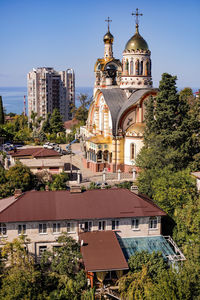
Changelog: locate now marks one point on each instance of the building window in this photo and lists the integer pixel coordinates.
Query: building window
(43, 228)
(42, 249)
(21, 229)
(71, 227)
(102, 225)
(153, 223)
(3, 229)
(56, 227)
(132, 151)
(86, 226)
(115, 224)
(135, 224)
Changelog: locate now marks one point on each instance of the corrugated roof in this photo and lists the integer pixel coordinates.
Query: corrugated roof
(6, 202)
(115, 99)
(101, 251)
(94, 204)
(35, 152)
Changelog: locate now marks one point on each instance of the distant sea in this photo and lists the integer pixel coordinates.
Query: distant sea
(13, 97)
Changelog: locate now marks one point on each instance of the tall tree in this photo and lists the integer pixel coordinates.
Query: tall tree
(56, 122)
(2, 117)
(81, 113)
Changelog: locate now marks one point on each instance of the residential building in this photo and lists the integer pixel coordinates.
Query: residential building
(110, 225)
(49, 89)
(32, 153)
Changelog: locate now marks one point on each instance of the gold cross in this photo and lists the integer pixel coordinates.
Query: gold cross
(108, 20)
(136, 16)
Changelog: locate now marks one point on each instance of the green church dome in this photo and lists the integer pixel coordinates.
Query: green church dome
(136, 42)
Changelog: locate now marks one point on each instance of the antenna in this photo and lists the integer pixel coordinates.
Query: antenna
(24, 112)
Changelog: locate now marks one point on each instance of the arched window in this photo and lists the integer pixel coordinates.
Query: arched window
(137, 67)
(131, 67)
(141, 68)
(132, 151)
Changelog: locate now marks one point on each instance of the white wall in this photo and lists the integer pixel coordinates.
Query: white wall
(127, 146)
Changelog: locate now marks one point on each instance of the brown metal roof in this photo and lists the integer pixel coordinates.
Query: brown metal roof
(94, 204)
(101, 251)
(35, 152)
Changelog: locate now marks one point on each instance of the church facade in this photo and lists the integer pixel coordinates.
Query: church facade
(113, 135)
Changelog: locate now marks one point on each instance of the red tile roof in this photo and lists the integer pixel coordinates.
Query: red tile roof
(101, 251)
(94, 204)
(35, 152)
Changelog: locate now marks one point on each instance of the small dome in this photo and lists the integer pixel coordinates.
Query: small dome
(108, 38)
(136, 42)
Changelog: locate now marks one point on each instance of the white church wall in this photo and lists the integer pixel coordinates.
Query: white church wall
(127, 149)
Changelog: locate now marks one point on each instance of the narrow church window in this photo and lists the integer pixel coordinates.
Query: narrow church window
(132, 151)
(131, 67)
(141, 68)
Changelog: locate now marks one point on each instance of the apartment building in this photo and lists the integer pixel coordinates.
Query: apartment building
(49, 89)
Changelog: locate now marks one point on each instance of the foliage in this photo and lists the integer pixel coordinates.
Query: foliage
(2, 117)
(17, 177)
(154, 262)
(151, 278)
(63, 265)
(124, 185)
(81, 113)
(46, 124)
(20, 279)
(59, 182)
(21, 177)
(94, 186)
(56, 123)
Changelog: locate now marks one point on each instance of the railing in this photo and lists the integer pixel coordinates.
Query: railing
(179, 255)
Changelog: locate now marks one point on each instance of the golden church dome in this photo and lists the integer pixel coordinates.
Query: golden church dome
(108, 38)
(136, 42)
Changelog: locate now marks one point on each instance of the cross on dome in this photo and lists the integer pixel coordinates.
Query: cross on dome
(108, 20)
(137, 15)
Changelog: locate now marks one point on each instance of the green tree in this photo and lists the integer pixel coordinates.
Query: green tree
(59, 182)
(63, 264)
(56, 122)
(2, 117)
(20, 177)
(81, 113)
(46, 124)
(154, 263)
(20, 279)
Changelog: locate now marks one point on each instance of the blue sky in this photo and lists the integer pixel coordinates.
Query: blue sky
(68, 34)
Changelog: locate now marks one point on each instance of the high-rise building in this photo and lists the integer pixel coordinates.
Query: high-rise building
(49, 89)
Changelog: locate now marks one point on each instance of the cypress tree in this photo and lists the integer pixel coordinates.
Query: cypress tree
(2, 118)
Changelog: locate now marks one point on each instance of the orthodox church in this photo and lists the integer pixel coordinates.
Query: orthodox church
(113, 135)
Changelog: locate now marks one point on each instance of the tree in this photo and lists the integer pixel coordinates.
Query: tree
(20, 177)
(56, 122)
(2, 117)
(81, 113)
(46, 124)
(59, 182)
(63, 264)
(153, 261)
(20, 279)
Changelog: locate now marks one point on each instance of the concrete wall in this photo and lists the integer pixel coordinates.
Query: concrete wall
(49, 238)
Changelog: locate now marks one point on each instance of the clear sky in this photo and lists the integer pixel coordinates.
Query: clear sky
(68, 34)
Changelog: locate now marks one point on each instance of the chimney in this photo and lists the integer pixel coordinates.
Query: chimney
(75, 189)
(17, 193)
(134, 189)
(46, 188)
